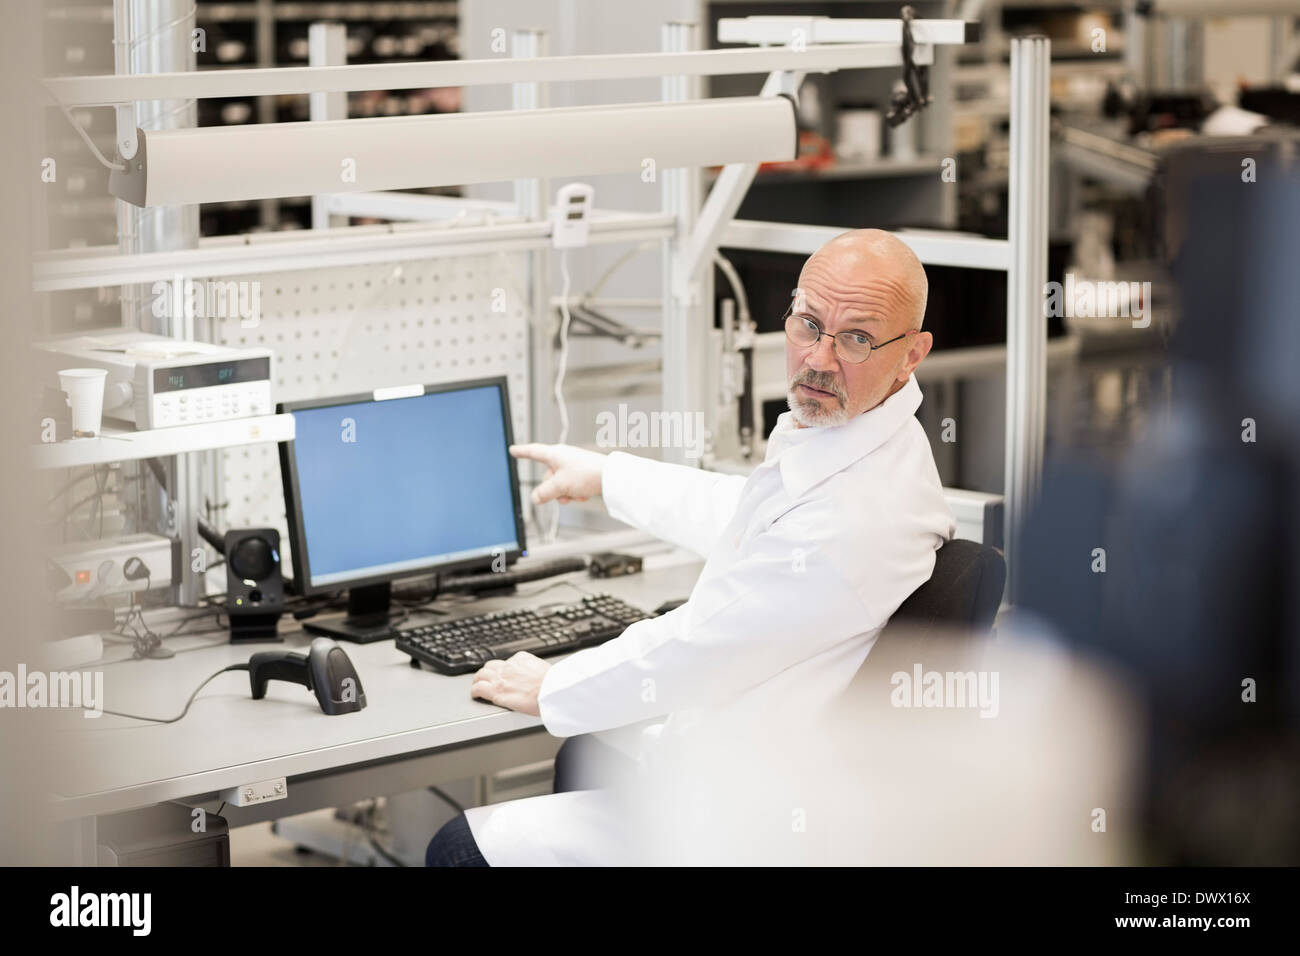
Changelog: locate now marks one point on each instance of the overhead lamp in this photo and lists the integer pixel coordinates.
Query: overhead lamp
(266, 161)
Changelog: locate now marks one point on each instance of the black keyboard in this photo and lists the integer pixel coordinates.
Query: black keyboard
(491, 580)
(466, 644)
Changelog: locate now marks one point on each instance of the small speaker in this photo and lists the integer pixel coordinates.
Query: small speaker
(254, 587)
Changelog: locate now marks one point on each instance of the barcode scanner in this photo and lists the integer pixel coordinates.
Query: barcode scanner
(325, 669)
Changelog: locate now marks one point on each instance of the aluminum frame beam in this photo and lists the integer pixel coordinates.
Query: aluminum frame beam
(109, 90)
(1027, 232)
(931, 247)
(778, 30)
(350, 245)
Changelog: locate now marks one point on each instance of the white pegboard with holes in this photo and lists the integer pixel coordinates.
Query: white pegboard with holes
(351, 330)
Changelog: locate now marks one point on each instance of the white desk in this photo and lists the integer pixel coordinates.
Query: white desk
(419, 728)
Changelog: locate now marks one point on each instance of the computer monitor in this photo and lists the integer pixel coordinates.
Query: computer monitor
(396, 483)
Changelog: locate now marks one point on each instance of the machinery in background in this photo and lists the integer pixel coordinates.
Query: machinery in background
(1148, 111)
(734, 344)
(88, 570)
(84, 578)
(157, 382)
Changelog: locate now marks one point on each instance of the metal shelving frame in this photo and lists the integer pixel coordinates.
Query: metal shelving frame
(691, 230)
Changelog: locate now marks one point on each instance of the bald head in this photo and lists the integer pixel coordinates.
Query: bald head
(874, 252)
(865, 283)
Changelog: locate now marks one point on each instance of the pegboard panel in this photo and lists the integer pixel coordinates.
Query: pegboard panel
(350, 330)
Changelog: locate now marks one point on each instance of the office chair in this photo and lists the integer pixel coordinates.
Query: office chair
(964, 591)
(931, 626)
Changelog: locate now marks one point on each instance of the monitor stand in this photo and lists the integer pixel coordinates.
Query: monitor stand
(367, 620)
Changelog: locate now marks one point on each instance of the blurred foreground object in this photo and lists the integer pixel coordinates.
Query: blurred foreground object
(1198, 530)
(946, 750)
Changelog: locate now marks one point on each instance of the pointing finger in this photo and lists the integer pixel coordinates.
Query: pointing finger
(535, 451)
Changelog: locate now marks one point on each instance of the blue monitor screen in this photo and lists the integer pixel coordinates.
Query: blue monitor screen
(395, 486)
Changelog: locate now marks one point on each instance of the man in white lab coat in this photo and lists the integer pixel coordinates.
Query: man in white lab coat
(807, 559)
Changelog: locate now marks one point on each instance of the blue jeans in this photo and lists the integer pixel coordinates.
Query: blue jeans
(582, 763)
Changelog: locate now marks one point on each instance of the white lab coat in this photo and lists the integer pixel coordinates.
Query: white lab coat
(807, 558)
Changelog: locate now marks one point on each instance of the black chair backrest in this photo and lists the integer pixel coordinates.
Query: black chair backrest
(964, 590)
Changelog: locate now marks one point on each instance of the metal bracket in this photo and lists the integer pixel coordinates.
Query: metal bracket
(127, 144)
(784, 83)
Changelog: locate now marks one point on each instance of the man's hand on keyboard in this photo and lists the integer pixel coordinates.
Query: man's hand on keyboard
(574, 475)
(514, 683)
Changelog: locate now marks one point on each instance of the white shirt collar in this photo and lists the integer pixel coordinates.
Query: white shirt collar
(808, 456)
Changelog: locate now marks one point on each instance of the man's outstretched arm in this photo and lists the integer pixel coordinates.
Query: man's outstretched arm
(684, 506)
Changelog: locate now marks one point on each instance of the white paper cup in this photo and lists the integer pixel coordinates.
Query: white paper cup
(85, 388)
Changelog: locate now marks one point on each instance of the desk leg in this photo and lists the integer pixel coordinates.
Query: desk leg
(82, 841)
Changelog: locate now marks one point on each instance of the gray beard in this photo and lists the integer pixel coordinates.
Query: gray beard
(812, 414)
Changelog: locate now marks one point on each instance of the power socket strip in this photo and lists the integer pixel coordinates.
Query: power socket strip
(250, 794)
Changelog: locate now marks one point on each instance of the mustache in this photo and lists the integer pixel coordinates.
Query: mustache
(822, 380)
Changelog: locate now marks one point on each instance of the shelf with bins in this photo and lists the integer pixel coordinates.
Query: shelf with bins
(121, 444)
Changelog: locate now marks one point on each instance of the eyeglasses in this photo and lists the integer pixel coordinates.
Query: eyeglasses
(852, 346)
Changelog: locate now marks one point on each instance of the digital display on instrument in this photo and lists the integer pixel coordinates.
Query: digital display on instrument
(205, 374)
